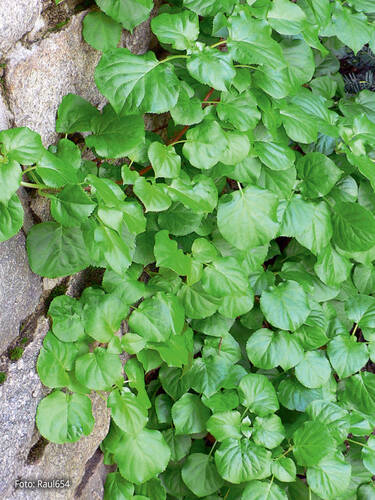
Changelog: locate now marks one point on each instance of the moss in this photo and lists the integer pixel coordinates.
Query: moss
(24, 340)
(3, 377)
(16, 353)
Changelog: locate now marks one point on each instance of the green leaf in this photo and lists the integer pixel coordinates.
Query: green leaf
(330, 478)
(347, 356)
(211, 67)
(258, 394)
(10, 179)
(102, 318)
(115, 136)
(268, 431)
(209, 7)
(55, 171)
(359, 392)
(21, 145)
(129, 13)
(352, 29)
(208, 374)
(275, 156)
(197, 303)
(368, 454)
(225, 425)
(142, 456)
(319, 174)
(11, 218)
(332, 416)
(99, 369)
(199, 195)
(55, 359)
(312, 442)
(179, 30)
(250, 42)
(295, 396)
(247, 218)
(54, 250)
(260, 490)
(165, 161)
(152, 490)
(262, 349)
(75, 114)
(239, 110)
(314, 370)
(285, 306)
(331, 267)
(179, 445)
(189, 415)
(150, 87)
(299, 126)
(205, 144)
(71, 206)
(158, 317)
(100, 31)
(353, 227)
(285, 17)
(224, 277)
(284, 469)
(152, 195)
(200, 475)
(117, 488)
(127, 411)
(64, 418)
(188, 110)
(240, 460)
(66, 318)
(168, 254)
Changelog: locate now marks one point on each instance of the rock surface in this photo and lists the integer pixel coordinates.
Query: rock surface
(19, 396)
(16, 19)
(58, 65)
(20, 289)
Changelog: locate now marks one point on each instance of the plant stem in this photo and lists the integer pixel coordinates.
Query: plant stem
(244, 412)
(167, 59)
(355, 329)
(34, 186)
(245, 66)
(212, 448)
(28, 170)
(177, 142)
(360, 444)
(240, 187)
(217, 44)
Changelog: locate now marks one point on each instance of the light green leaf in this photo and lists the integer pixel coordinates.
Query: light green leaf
(248, 218)
(142, 456)
(268, 431)
(331, 267)
(21, 145)
(165, 161)
(284, 469)
(100, 31)
(353, 227)
(352, 29)
(98, 370)
(261, 490)
(158, 317)
(102, 317)
(239, 110)
(211, 67)
(64, 418)
(330, 478)
(115, 136)
(285, 306)
(258, 394)
(66, 313)
(54, 250)
(136, 84)
(225, 425)
(151, 195)
(75, 114)
(209, 7)
(312, 442)
(127, 411)
(199, 196)
(275, 156)
(129, 13)
(285, 17)
(240, 460)
(11, 218)
(200, 475)
(189, 415)
(168, 254)
(205, 144)
(117, 488)
(319, 174)
(347, 356)
(314, 370)
(71, 206)
(179, 30)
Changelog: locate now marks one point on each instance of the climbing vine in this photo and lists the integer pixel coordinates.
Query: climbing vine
(238, 242)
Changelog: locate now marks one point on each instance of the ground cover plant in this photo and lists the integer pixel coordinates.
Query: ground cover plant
(238, 244)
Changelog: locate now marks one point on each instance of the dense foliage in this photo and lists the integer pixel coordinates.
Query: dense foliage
(238, 245)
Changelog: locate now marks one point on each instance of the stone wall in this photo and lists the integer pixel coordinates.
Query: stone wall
(42, 58)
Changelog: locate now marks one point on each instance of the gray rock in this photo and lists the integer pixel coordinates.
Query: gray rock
(20, 289)
(19, 396)
(37, 79)
(65, 461)
(4, 115)
(17, 18)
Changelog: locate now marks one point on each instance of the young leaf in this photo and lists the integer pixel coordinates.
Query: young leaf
(127, 411)
(179, 29)
(258, 394)
(98, 370)
(100, 31)
(63, 418)
(189, 415)
(200, 475)
(164, 160)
